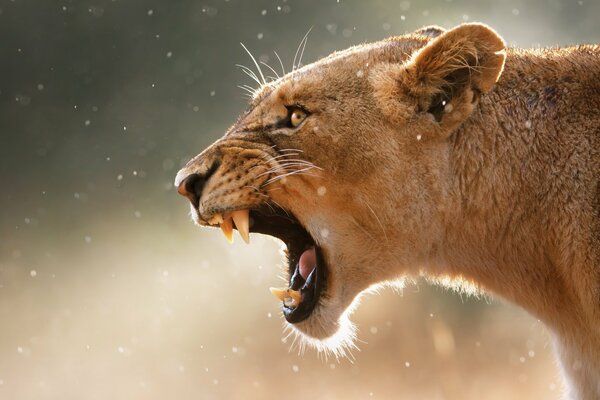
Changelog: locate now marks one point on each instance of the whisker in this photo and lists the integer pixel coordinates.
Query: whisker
(287, 163)
(280, 63)
(249, 87)
(279, 205)
(378, 220)
(268, 66)
(279, 177)
(250, 91)
(303, 47)
(296, 55)
(249, 72)
(362, 228)
(285, 155)
(255, 63)
(302, 42)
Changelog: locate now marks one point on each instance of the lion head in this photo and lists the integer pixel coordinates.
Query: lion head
(346, 161)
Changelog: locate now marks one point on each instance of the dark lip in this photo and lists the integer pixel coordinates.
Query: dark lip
(311, 292)
(279, 223)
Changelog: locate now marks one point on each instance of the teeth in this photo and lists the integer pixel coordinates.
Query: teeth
(295, 295)
(279, 293)
(291, 298)
(216, 219)
(227, 228)
(242, 223)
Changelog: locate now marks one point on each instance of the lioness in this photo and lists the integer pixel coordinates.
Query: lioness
(438, 153)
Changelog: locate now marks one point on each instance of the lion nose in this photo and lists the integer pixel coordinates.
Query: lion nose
(191, 187)
(192, 184)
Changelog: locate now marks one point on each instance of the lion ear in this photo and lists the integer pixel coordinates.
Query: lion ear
(454, 69)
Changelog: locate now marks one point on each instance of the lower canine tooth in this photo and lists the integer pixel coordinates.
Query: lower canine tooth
(281, 294)
(227, 228)
(290, 298)
(242, 223)
(289, 302)
(296, 295)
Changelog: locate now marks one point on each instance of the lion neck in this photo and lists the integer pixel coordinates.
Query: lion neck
(501, 213)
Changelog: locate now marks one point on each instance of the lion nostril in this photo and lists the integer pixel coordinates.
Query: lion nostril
(191, 187)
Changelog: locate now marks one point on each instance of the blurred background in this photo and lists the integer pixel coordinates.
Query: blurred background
(108, 291)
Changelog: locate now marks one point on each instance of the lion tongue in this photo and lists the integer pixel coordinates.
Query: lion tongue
(307, 262)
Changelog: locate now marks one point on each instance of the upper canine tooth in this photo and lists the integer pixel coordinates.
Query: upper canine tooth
(281, 294)
(242, 223)
(227, 228)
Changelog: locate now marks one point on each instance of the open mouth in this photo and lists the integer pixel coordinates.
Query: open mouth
(306, 264)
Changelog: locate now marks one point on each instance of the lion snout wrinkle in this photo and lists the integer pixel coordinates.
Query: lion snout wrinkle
(227, 176)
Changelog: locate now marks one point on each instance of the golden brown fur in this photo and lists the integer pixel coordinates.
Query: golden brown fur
(441, 154)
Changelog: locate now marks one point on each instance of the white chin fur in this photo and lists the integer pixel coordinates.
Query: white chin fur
(328, 330)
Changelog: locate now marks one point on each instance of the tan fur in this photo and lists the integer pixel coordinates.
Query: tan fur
(441, 154)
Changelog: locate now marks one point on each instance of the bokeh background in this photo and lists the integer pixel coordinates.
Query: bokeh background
(107, 290)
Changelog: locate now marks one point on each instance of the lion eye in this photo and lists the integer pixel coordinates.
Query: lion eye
(297, 116)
